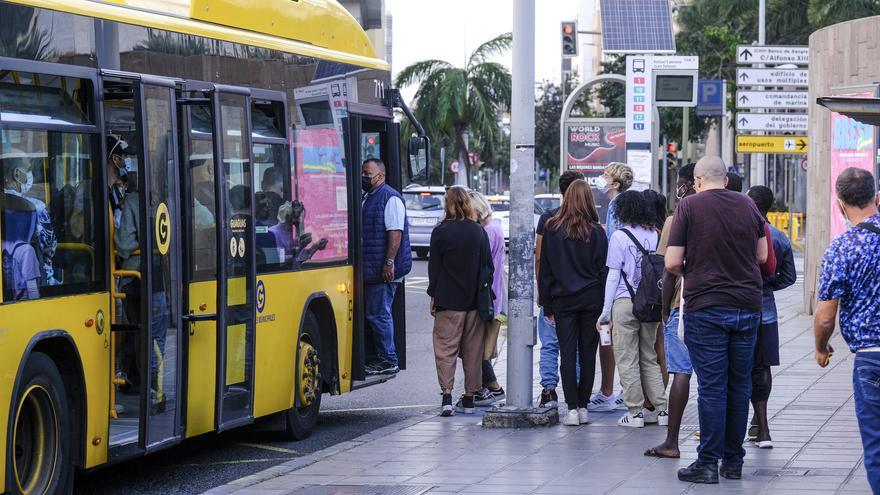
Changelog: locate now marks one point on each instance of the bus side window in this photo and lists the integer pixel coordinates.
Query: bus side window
(278, 218)
(49, 222)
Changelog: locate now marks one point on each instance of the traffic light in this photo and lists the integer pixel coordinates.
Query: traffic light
(569, 39)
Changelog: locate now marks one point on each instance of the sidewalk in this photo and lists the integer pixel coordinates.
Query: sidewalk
(817, 446)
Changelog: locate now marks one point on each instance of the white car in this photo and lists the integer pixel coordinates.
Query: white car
(501, 213)
(548, 201)
(424, 209)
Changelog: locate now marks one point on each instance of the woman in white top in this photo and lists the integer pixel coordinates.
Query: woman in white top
(633, 340)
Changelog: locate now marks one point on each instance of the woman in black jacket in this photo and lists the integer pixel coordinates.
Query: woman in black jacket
(573, 271)
(453, 282)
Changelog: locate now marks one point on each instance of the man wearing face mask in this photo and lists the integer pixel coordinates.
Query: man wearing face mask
(617, 178)
(18, 181)
(387, 258)
(849, 282)
(119, 164)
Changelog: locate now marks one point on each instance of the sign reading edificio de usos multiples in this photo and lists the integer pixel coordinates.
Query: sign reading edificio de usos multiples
(772, 100)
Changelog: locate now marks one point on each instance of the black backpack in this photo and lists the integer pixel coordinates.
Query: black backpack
(647, 305)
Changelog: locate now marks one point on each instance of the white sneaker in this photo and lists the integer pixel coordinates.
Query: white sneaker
(632, 420)
(572, 418)
(600, 402)
(618, 401)
(650, 416)
(583, 415)
(663, 418)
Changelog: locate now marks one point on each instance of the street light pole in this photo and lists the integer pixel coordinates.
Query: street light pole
(521, 329)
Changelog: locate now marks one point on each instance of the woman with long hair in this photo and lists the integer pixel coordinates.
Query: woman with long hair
(572, 276)
(634, 341)
(457, 247)
(492, 392)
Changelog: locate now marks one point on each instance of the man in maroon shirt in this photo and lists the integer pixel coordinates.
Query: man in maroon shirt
(717, 244)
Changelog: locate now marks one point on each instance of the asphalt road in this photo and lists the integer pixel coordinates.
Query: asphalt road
(212, 460)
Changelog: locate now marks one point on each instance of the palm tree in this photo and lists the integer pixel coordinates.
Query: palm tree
(453, 101)
(21, 38)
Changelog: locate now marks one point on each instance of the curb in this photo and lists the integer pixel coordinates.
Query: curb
(307, 460)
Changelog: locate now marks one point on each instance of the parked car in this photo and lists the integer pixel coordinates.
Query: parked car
(424, 209)
(548, 201)
(501, 213)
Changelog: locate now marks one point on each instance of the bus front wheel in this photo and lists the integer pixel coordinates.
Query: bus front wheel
(300, 420)
(39, 458)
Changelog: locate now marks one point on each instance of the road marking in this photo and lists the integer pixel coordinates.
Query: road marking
(240, 461)
(268, 447)
(386, 408)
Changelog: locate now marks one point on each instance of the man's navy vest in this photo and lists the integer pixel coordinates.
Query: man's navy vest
(375, 240)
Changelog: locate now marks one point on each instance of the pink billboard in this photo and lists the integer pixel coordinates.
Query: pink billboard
(852, 145)
(321, 187)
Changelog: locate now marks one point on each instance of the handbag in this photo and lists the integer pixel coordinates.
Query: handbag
(485, 295)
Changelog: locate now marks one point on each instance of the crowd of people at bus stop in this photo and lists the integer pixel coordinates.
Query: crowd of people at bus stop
(659, 298)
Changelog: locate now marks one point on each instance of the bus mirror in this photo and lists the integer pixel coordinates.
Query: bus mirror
(418, 158)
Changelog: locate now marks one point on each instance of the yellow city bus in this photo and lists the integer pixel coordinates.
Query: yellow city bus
(180, 222)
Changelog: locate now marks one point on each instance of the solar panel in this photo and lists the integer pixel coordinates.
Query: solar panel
(636, 26)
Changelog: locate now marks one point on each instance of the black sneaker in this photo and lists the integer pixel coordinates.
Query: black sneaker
(383, 368)
(549, 398)
(446, 409)
(699, 472)
(465, 404)
(731, 472)
(484, 399)
(498, 394)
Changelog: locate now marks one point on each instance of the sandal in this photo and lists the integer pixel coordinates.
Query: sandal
(653, 452)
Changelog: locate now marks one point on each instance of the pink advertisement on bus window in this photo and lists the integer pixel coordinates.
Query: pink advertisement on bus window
(321, 186)
(852, 145)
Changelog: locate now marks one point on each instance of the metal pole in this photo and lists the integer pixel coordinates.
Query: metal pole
(685, 134)
(443, 165)
(664, 171)
(521, 328)
(761, 159)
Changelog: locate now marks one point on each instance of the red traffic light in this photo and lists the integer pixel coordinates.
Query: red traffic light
(371, 140)
(567, 29)
(671, 148)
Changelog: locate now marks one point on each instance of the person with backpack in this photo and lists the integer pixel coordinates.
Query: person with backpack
(572, 275)
(632, 309)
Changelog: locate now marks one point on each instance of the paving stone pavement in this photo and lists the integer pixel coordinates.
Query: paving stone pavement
(817, 448)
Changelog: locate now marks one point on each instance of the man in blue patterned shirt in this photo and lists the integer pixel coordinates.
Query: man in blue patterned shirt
(850, 282)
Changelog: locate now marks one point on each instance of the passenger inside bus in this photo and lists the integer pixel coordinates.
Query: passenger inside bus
(20, 182)
(21, 266)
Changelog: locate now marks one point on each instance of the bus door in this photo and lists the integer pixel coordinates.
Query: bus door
(140, 119)
(372, 133)
(220, 217)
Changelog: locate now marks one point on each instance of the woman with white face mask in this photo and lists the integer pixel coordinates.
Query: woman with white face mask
(18, 181)
(617, 178)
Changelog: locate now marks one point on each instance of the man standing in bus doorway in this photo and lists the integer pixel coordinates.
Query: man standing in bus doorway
(387, 258)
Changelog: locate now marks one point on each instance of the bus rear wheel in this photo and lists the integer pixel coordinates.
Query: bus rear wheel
(300, 420)
(39, 457)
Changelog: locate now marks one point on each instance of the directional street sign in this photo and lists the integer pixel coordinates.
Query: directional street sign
(771, 144)
(757, 54)
(779, 122)
(772, 77)
(783, 100)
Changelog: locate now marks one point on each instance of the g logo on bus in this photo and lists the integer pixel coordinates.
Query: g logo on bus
(261, 296)
(99, 322)
(163, 228)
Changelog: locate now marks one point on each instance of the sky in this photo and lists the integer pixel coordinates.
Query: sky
(450, 30)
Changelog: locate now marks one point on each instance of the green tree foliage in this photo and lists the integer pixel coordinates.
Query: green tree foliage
(451, 101)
